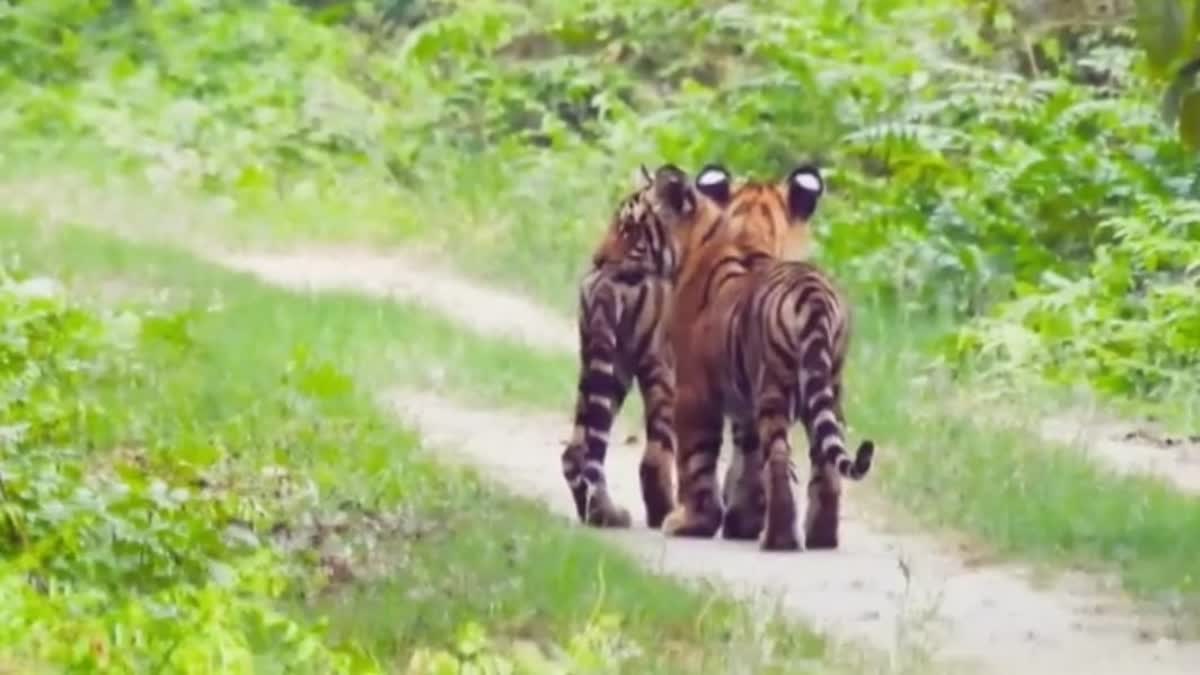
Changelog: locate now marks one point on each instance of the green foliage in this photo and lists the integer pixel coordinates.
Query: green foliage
(220, 94)
(122, 559)
(993, 179)
(1131, 323)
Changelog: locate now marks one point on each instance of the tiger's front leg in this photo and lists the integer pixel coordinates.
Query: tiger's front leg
(698, 428)
(600, 394)
(656, 381)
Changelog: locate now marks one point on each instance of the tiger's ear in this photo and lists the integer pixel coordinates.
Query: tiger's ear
(671, 186)
(640, 177)
(804, 189)
(713, 182)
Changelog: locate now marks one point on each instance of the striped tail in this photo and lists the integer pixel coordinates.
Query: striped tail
(826, 436)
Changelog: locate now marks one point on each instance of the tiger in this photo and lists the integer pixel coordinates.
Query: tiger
(623, 303)
(760, 337)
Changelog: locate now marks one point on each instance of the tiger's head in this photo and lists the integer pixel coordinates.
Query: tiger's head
(761, 217)
(653, 222)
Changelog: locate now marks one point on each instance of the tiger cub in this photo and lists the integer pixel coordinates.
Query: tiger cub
(760, 338)
(623, 303)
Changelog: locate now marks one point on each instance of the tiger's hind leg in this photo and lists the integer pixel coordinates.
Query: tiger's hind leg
(823, 516)
(821, 405)
(602, 390)
(773, 417)
(698, 512)
(745, 501)
(656, 382)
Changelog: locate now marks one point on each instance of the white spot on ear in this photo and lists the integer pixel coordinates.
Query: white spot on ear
(808, 182)
(712, 177)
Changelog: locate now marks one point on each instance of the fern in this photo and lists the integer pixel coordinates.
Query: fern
(928, 137)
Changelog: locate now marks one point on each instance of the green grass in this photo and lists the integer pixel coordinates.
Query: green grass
(231, 381)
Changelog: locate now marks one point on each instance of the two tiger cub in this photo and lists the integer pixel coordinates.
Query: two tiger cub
(698, 291)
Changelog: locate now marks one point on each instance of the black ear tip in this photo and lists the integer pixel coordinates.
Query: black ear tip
(669, 171)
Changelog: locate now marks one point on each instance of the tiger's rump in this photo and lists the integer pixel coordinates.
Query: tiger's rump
(795, 330)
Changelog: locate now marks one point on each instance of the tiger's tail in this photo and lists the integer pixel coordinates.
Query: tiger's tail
(819, 405)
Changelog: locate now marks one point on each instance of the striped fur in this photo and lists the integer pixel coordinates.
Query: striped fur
(762, 339)
(623, 303)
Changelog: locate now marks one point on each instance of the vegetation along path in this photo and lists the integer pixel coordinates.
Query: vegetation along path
(897, 590)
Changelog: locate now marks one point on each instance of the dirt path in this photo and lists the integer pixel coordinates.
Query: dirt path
(898, 592)
(485, 310)
(1129, 448)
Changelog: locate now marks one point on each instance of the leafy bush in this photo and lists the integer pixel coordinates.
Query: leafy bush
(1131, 323)
(993, 179)
(122, 560)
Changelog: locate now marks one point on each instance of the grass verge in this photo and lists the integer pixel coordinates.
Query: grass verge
(1002, 484)
(256, 374)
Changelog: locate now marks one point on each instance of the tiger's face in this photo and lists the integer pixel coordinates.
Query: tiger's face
(767, 217)
(650, 224)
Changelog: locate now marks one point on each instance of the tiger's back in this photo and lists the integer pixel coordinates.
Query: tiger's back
(762, 340)
(780, 294)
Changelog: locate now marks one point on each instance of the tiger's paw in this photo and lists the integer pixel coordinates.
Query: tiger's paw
(779, 538)
(612, 516)
(822, 539)
(656, 492)
(685, 522)
(657, 511)
(823, 517)
(742, 523)
(602, 512)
